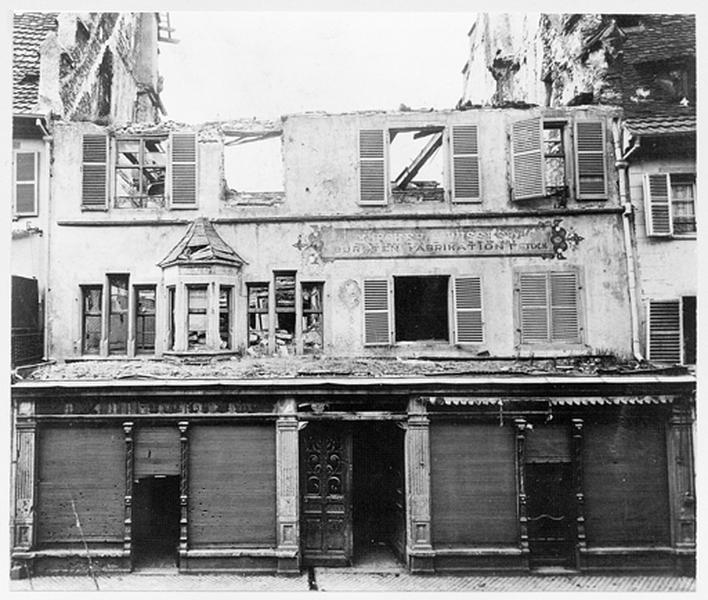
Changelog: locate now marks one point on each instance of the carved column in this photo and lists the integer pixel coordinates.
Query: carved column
(521, 489)
(577, 449)
(128, 499)
(287, 469)
(682, 495)
(25, 476)
(183, 490)
(417, 455)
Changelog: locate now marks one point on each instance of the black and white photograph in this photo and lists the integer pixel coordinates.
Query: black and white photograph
(307, 299)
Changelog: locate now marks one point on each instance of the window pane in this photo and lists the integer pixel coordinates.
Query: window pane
(155, 154)
(683, 203)
(24, 197)
(258, 297)
(258, 321)
(312, 333)
(128, 152)
(91, 327)
(118, 314)
(171, 308)
(140, 173)
(225, 317)
(197, 299)
(145, 320)
(284, 293)
(311, 297)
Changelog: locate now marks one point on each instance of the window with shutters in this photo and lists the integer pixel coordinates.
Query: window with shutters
(421, 308)
(416, 165)
(544, 161)
(549, 307)
(26, 183)
(671, 330)
(670, 204)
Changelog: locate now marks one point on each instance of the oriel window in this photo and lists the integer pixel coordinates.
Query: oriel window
(196, 316)
(225, 293)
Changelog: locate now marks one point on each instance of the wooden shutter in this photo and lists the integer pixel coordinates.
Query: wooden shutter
(533, 303)
(657, 204)
(527, 161)
(372, 167)
(94, 185)
(565, 326)
(26, 182)
(377, 331)
(590, 165)
(465, 164)
(184, 170)
(664, 330)
(468, 310)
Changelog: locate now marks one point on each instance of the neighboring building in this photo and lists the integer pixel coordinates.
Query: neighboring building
(423, 342)
(72, 67)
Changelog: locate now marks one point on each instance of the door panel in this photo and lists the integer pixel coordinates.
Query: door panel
(326, 494)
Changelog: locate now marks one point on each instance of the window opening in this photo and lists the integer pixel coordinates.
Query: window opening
(258, 316)
(92, 317)
(171, 312)
(118, 314)
(225, 317)
(254, 169)
(312, 326)
(141, 166)
(421, 308)
(554, 163)
(683, 203)
(688, 324)
(196, 316)
(145, 320)
(105, 81)
(417, 163)
(284, 312)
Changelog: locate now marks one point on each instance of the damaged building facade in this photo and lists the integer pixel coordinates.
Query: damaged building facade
(421, 341)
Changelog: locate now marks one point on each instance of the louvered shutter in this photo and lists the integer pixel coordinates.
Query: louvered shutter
(376, 312)
(527, 161)
(26, 182)
(664, 331)
(565, 326)
(533, 302)
(94, 184)
(465, 164)
(372, 167)
(468, 310)
(184, 170)
(590, 166)
(657, 204)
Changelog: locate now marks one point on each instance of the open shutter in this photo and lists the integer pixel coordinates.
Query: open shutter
(465, 164)
(372, 167)
(377, 331)
(184, 170)
(565, 325)
(657, 204)
(26, 182)
(533, 303)
(94, 183)
(590, 165)
(527, 161)
(468, 310)
(664, 331)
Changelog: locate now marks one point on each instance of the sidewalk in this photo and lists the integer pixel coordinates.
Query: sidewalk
(339, 580)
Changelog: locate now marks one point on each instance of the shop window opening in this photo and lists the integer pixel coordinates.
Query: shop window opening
(421, 308)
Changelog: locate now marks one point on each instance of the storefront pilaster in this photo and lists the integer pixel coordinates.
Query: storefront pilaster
(287, 458)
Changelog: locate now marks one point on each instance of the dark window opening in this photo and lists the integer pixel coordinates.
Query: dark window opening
(284, 312)
(312, 337)
(225, 317)
(141, 165)
(688, 323)
(416, 164)
(554, 162)
(171, 312)
(91, 327)
(118, 314)
(156, 514)
(258, 323)
(196, 316)
(421, 308)
(145, 320)
(105, 82)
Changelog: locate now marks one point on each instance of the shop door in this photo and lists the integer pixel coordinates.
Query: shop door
(326, 521)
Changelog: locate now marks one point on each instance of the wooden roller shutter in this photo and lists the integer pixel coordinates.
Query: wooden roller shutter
(473, 485)
(94, 182)
(625, 482)
(664, 330)
(657, 204)
(565, 320)
(527, 159)
(157, 451)
(183, 180)
(465, 164)
(468, 310)
(590, 165)
(81, 485)
(373, 186)
(232, 499)
(533, 305)
(377, 330)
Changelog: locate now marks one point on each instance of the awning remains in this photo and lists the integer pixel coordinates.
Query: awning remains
(571, 401)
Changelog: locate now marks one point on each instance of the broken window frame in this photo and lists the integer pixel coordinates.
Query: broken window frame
(225, 316)
(314, 314)
(560, 193)
(430, 150)
(119, 344)
(91, 313)
(141, 198)
(197, 311)
(141, 346)
(255, 314)
(281, 308)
